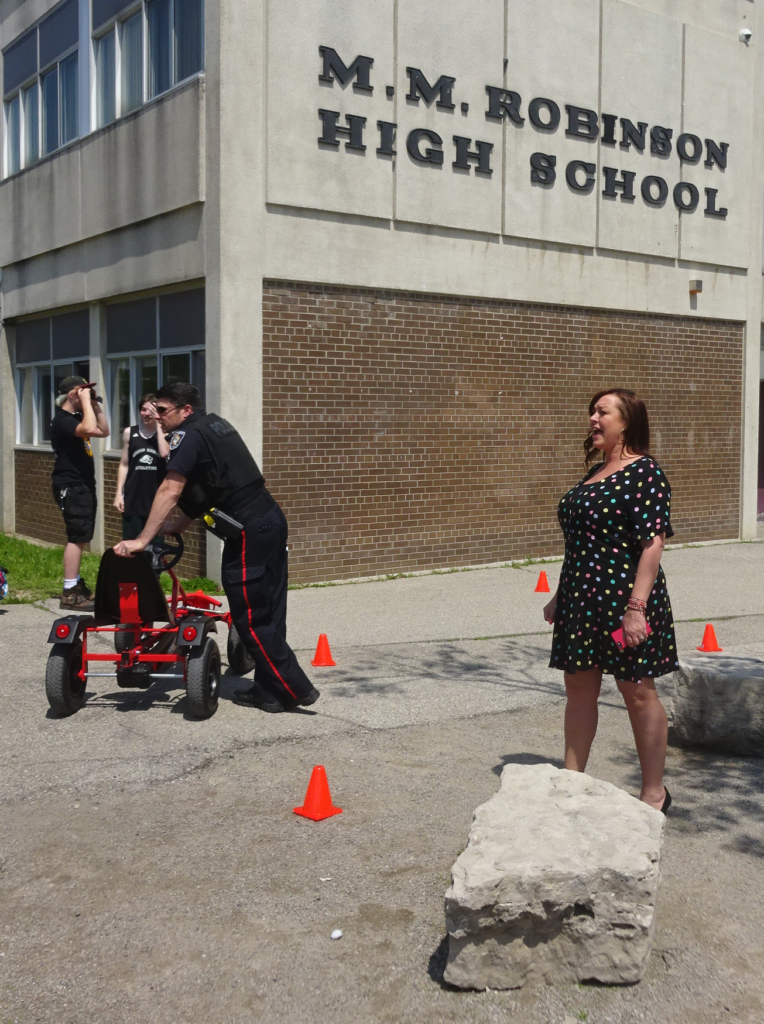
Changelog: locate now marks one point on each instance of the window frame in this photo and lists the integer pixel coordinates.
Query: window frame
(133, 356)
(19, 91)
(114, 25)
(37, 366)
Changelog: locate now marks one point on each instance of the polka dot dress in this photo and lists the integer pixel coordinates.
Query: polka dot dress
(603, 524)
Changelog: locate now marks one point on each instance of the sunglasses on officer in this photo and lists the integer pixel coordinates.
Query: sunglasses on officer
(162, 410)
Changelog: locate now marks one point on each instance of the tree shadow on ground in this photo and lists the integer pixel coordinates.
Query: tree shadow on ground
(506, 664)
(711, 792)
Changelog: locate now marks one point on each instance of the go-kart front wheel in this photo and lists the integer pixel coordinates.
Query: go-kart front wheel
(63, 687)
(203, 679)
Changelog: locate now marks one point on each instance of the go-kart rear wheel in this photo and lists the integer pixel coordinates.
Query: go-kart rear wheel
(203, 679)
(63, 687)
(239, 658)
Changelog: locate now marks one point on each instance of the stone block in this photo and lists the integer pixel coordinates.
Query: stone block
(558, 883)
(719, 703)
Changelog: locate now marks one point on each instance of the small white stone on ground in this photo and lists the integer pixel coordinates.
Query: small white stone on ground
(719, 703)
(336, 934)
(558, 883)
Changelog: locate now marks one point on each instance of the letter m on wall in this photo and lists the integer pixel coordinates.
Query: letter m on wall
(334, 68)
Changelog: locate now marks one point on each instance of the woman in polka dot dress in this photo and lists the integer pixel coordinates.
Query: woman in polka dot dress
(615, 522)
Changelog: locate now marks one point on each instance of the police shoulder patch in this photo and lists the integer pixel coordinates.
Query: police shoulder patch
(177, 437)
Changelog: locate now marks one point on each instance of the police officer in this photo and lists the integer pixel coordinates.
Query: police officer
(209, 466)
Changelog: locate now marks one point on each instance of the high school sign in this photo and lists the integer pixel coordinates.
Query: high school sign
(427, 146)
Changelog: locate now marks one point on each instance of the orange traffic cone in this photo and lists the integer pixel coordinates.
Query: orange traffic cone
(318, 800)
(709, 644)
(323, 656)
(542, 587)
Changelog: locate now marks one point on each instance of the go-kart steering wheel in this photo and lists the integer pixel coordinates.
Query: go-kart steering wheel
(164, 555)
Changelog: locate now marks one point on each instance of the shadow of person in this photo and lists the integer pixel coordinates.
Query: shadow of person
(526, 758)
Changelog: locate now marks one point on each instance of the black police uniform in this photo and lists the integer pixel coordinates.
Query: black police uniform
(221, 473)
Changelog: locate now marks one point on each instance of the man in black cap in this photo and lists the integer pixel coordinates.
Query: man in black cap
(78, 417)
(210, 469)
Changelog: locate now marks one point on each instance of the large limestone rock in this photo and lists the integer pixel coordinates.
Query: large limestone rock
(719, 703)
(558, 882)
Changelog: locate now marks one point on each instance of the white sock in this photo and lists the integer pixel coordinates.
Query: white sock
(68, 584)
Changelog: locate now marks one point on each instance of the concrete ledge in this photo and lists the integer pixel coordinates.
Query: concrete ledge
(558, 884)
(719, 703)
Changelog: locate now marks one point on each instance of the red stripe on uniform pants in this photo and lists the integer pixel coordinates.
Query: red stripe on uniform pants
(249, 616)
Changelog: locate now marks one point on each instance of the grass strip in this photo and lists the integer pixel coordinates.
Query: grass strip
(36, 572)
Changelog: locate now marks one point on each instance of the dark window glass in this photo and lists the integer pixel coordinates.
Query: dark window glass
(68, 75)
(160, 47)
(71, 335)
(105, 9)
(131, 326)
(59, 31)
(199, 374)
(181, 319)
(50, 111)
(82, 369)
(20, 61)
(176, 369)
(45, 400)
(188, 38)
(33, 341)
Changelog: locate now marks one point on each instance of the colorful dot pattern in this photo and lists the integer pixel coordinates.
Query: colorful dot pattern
(604, 524)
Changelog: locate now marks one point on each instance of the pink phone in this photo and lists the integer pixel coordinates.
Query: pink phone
(617, 635)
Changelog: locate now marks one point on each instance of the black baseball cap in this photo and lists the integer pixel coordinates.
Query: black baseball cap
(70, 383)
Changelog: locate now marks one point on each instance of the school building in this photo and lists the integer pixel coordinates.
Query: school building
(398, 244)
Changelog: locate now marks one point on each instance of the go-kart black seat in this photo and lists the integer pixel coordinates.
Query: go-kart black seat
(152, 604)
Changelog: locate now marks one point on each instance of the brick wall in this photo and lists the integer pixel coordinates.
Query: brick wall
(37, 514)
(406, 432)
(194, 560)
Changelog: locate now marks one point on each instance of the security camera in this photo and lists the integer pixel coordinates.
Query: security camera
(745, 35)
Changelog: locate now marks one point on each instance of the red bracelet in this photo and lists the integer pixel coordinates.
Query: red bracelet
(637, 606)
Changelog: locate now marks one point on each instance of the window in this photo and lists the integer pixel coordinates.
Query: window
(40, 72)
(106, 62)
(173, 31)
(47, 350)
(150, 342)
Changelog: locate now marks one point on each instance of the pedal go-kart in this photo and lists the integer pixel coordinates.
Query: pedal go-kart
(129, 602)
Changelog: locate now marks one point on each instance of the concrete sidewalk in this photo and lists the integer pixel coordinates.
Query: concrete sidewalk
(153, 869)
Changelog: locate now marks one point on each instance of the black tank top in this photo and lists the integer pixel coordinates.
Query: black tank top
(145, 472)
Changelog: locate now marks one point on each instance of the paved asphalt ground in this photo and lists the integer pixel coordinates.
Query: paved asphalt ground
(152, 870)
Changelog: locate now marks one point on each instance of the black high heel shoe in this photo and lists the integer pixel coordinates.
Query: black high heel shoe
(666, 803)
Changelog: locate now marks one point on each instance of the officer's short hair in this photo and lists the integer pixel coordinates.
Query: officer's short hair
(181, 394)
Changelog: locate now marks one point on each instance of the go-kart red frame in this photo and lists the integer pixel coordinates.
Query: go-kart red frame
(144, 653)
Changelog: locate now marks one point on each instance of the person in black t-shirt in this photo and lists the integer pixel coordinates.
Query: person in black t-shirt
(141, 469)
(79, 417)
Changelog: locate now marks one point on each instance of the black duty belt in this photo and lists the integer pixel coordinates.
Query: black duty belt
(254, 508)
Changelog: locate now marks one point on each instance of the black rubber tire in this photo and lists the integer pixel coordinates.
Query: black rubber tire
(63, 687)
(123, 641)
(203, 679)
(239, 658)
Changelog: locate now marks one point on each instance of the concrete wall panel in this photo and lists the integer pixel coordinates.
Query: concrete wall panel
(40, 208)
(559, 64)
(717, 98)
(144, 165)
(642, 81)
(300, 171)
(165, 250)
(140, 167)
(446, 39)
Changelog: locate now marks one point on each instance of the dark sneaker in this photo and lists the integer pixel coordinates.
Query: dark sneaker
(77, 598)
(257, 698)
(310, 698)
